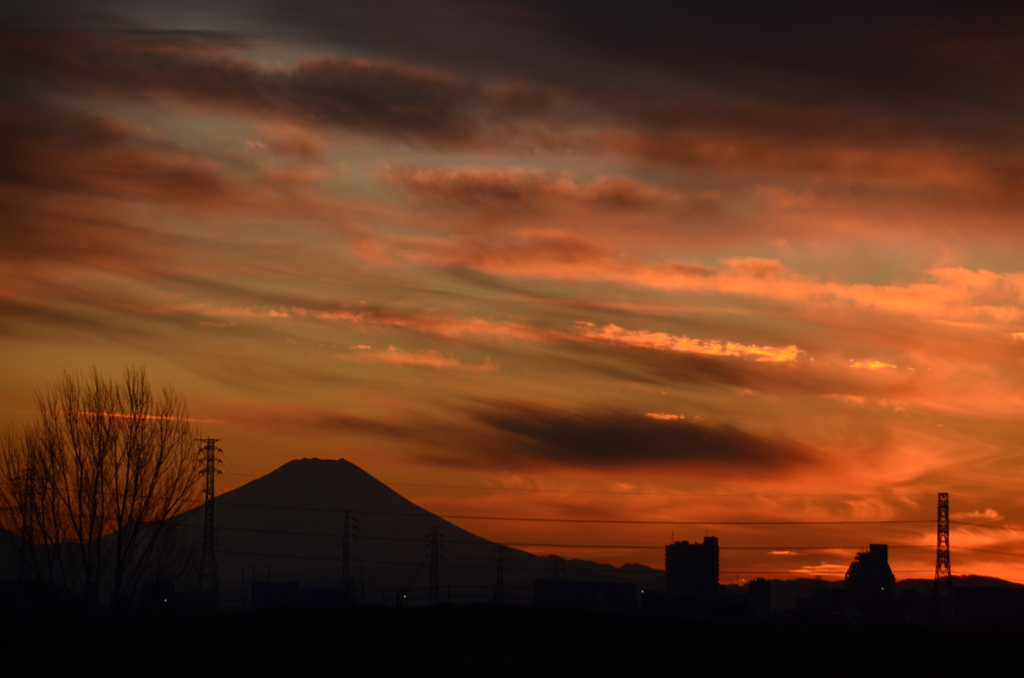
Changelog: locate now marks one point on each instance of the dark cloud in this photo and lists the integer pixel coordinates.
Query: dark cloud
(61, 149)
(67, 175)
(942, 66)
(612, 439)
(35, 321)
(865, 93)
(50, 154)
(516, 190)
(384, 98)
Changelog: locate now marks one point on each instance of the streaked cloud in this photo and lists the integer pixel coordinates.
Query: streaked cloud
(411, 102)
(667, 342)
(395, 356)
(871, 365)
(519, 189)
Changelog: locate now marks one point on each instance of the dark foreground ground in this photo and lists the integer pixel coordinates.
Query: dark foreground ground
(467, 641)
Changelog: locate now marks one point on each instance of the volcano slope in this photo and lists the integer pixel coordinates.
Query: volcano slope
(287, 526)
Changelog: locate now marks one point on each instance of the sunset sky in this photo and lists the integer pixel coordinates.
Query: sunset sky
(724, 262)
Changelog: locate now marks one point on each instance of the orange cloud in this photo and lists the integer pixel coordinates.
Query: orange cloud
(394, 356)
(987, 514)
(527, 189)
(871, 365)
(456, 327)
(439, 324)
(123, 415)
(951, 294)
(666, 342)
(742, 151)
(292, 140)
(84, 197)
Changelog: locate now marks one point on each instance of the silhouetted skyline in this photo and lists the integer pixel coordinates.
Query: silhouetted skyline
(277, 549)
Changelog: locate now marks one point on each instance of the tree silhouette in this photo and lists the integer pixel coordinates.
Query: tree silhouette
(91, 484)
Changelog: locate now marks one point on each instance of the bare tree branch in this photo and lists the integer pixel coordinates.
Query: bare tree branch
(91, 484)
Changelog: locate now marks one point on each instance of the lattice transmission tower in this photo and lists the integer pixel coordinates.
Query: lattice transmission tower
(942, 569)
(208, 559)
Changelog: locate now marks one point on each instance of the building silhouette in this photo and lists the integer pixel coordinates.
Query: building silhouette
(870, 586)
(759, 599)
(691, 570)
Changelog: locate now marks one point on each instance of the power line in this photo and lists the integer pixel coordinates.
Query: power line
(572, 491)
(607, 521)
(487, 543)
(427, 515)
(1000, 553)
(809, 574)
(542, 567)
(691, 522)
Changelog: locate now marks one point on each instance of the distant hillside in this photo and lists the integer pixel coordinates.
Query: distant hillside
(973, 580)
(785, 592)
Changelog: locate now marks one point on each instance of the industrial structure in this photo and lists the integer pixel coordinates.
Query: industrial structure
(208, 558)
(943, 573)
(692, 569)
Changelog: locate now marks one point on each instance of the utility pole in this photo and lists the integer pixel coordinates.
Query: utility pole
(942, 568)
(558, 572)
(433, 591)
(499, 584)
(207, 558)
(348, 589)
(345, 553)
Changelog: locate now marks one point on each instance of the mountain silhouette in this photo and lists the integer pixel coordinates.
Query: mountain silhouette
(287, 527)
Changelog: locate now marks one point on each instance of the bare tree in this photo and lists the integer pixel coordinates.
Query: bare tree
(91, 484)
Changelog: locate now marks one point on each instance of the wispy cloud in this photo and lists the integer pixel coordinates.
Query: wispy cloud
(662, 341)
(395, 356)
(871, 365)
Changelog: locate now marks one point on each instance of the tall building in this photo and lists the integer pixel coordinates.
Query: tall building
(870, 585)
(692, 569)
